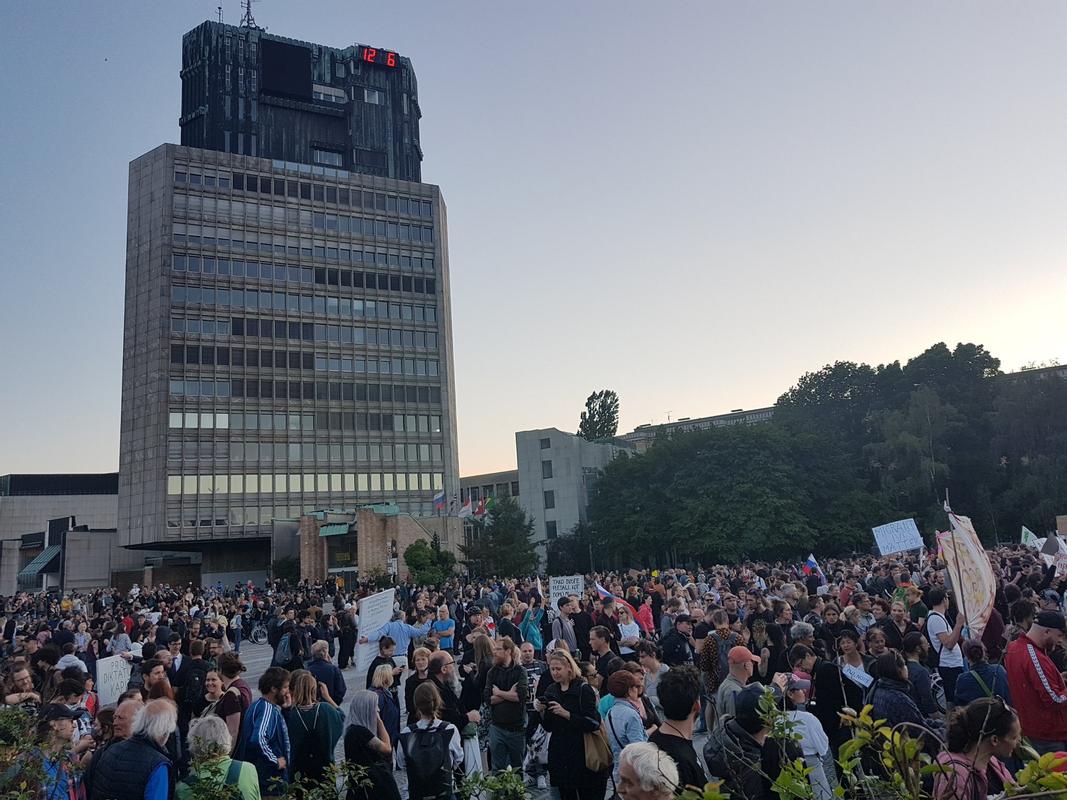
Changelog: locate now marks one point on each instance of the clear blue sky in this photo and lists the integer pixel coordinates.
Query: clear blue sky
(691, 203)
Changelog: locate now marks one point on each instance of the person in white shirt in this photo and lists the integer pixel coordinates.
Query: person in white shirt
(629, 634)
(814, 743)
(427, 707)
(945, 639)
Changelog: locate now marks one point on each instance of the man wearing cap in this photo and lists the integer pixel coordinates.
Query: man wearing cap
(741, 662)
(678, 644)
(1037, 689)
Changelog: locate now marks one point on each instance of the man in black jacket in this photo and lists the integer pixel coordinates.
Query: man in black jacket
(506, 691)
(442, 672)
(678, 644)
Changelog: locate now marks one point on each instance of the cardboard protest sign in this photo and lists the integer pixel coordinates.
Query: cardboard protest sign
(374, 612)
(112, 678)
(564, 585)
(897, 537)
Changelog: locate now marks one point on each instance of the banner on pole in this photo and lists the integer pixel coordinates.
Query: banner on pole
(374, 612)
(563, 586)
(897, 537)
(970, 572)
(112, 678)
(1029, 539)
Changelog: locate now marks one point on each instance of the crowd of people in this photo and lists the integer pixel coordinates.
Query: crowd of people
(609, 691)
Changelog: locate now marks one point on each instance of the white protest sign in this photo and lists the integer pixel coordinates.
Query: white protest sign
(112, 678)
(857, 675)
(1029, 539)
(897, 537)
(563, 586)
(374, 612)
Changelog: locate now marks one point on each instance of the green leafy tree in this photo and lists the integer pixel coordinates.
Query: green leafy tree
(569, 553)
(427, 562)
(501, 544)
(422, 563)
(600, 419)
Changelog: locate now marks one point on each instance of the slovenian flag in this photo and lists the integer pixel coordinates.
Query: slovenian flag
(605, 594)
(812, 566)
(439, 501)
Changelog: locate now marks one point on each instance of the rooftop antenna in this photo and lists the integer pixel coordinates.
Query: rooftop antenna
(248, 21)
(219, 9)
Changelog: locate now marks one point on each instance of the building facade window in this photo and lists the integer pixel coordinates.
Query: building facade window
(546, 469)
(550, 529)
(546, 443)
(550, 499)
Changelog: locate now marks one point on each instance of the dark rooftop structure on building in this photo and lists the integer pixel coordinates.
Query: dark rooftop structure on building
(249, 92)
(52, 484)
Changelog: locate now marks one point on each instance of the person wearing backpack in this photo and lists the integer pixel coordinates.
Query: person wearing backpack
(945, 640)
(209, 744)
(431, 749)
(289, 654)
(314, 726)
(983, 679)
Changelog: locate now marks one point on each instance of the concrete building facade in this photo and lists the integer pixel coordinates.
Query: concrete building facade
(347, 544)
(558, 472)
(287, 337)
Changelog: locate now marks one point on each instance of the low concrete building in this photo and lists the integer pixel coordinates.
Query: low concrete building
(557, 474)
(346, 544)
(644, 436)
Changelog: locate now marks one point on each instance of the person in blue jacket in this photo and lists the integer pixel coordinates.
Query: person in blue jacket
(982, 679)
(264, 736)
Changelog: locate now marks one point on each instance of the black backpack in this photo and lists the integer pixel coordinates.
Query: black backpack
(428, 761)
(310, 757)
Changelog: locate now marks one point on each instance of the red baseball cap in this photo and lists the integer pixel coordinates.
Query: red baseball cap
(739, 655)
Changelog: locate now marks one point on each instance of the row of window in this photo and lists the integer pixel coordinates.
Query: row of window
(369, 392)
(195, 235)
(302, 190)
(281, 273)
(319, 421)
(195, 206)
(208, 355)
(267, 389)
(188, 516)
(344, 307)
(304, 482)
(304, 452)
(341, 334)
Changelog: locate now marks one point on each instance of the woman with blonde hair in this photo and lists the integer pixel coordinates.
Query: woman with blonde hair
(568, 712)
(420, 673)
(314, 726)
(382, 685)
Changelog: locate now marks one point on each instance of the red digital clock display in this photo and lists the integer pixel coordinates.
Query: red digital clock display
(386, 58)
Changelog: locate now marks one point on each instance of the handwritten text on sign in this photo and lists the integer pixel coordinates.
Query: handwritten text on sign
(897, 537)
(564, 585)
(112, 677)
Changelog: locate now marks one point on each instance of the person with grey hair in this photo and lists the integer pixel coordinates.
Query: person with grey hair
(325, 671)
(802, 633)
(139, 768)
(646, 773)
(209, 745)
(367, 744)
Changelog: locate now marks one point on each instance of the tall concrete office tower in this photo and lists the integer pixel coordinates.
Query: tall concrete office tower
(288, 336)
